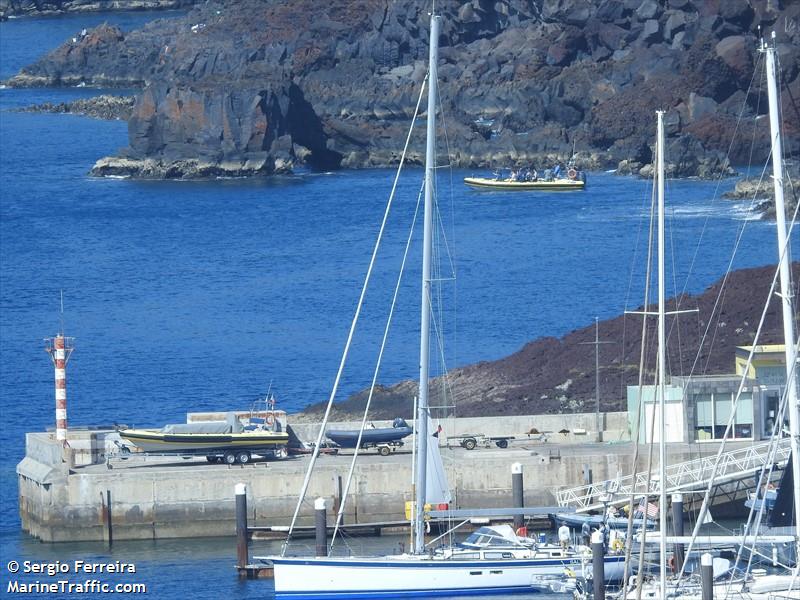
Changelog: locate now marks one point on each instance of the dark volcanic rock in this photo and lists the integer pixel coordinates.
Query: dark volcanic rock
(521, 80)
(100, 107)
(243, 132)
(761, 194)
(553, 375)
(16, 8)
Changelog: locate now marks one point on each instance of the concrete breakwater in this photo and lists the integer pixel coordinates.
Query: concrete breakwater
(165, 497)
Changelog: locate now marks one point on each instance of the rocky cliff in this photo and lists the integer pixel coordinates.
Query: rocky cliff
(556, 375)
(35, 8)
(522, 81)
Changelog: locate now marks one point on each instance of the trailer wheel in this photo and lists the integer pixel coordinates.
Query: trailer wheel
(243, 457)
(469, 443)
(384, 450)
(502, 443)
(229, 458)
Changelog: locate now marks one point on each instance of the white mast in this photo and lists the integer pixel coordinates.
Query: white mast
(786, 288)
(424, 350)
(662, 362)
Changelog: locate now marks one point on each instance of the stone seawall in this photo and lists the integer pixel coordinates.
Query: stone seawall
(169, 497)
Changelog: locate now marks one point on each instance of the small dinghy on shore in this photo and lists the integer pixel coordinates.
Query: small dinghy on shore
(371, 438)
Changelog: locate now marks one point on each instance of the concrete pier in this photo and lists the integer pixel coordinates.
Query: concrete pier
(169, 497)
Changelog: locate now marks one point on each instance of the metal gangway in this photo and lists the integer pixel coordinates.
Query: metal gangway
(693, 475)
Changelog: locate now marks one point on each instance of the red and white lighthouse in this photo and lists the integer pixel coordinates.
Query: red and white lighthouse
(59, 348)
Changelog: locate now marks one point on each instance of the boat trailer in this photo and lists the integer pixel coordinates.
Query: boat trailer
(470, 441)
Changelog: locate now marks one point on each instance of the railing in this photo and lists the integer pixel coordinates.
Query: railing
(734, 465)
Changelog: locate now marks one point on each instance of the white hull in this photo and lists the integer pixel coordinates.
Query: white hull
(408, 576)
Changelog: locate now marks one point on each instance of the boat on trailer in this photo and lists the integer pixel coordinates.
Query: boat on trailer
(392, 436)
(229, 438)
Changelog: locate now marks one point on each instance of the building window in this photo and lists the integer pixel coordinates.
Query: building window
(743, 427)
(770, 410)
(712, 412)
(722, 412)
(704, 417)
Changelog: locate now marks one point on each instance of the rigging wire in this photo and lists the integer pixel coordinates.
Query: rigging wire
(346, 489)
(648, 266)
(315, 453)
(745, 371)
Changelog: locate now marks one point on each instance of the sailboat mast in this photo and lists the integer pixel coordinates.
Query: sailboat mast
(786, 288)
(662, 362)
(424, 343)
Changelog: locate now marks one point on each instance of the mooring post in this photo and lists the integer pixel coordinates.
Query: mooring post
(598, 565)
(241, 525)
(517, 493)
(707, 576)
(321, 527)
(106, 515)
(677, 529)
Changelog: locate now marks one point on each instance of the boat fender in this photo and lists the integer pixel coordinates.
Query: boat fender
(572, 173)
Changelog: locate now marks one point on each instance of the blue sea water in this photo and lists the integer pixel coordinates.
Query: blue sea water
(189, 296)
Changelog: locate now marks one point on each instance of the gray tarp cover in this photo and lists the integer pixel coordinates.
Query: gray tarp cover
(231, 424)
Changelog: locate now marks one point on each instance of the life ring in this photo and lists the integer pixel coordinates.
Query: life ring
(572, 173)
(269, 419)
(522, 531)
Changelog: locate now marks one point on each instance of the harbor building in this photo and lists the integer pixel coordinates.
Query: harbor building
(698, 407)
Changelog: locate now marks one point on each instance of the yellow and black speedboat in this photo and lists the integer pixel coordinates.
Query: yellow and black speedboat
(565, 184)
(229, 439)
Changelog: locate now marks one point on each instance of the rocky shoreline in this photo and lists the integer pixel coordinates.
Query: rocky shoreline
(557, 375)
(106, 107)
(43, 8)
(257, 88)
(761, 193)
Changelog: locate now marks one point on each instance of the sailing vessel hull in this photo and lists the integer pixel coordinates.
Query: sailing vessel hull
(404, 576)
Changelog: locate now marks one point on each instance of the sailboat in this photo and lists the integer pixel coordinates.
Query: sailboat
(736, 582)
(493, 560)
